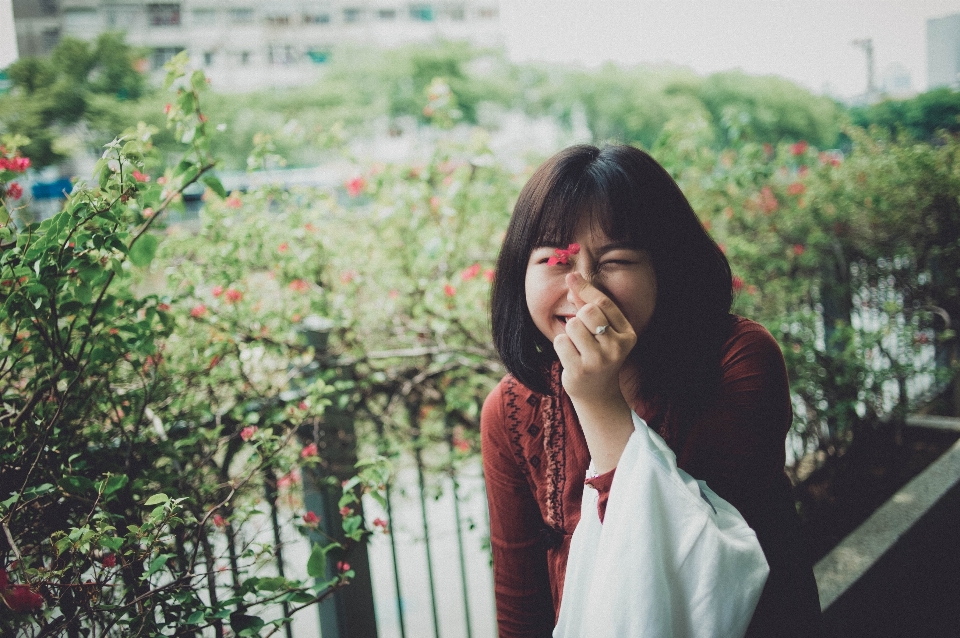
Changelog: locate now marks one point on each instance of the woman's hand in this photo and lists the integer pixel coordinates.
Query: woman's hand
(592, 365)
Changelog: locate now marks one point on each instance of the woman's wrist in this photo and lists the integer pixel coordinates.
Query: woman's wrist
(607, 427)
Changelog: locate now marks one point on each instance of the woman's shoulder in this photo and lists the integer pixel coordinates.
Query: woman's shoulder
(749, 344)
(510, 395)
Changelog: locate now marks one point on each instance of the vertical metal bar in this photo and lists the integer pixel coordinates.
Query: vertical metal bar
(396, 566)
(426, 538)
(463, 562)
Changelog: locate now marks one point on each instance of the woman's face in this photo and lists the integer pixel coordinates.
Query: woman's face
(622, 273)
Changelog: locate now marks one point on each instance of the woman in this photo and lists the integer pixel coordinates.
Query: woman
(611, 299)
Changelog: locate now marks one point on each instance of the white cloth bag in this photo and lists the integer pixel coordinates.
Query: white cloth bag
(671, 558)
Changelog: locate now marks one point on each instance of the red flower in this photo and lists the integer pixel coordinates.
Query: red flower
(470, 272)
(14, 191)
(462, 445)
(356, 185)
(796, 188)
(217, 291)
(110, 560)
(167, 107)
(141, 177)
(345, 511)
(563, 256)
(299, 285)
(488, 274)
(198, 311)
(163, 307)
(308, 451)
(21, 599)
(768, 201)
(798, 249)
(232, 295)
(303, 405)
(449, 290)
(737, 284)
(343, 566)
(247, 433)
(219, 521)
(799, 148)
(282, 248)
(311, 519)
(233, 201)
(381, 523)
(201, 117)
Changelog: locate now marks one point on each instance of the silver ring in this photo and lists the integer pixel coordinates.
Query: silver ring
(600, 330)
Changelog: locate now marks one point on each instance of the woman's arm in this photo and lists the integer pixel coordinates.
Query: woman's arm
(521, 582)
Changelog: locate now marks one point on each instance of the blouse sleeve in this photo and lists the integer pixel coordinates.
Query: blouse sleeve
(521, 582)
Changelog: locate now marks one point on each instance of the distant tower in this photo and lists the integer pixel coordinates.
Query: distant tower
(943, 51)
(867, 45)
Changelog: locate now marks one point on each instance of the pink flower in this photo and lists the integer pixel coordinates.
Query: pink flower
(347, 276)
(247, 433)
(737, 283)
(562, 256)
(163, 307)
(311, 519)
(343, 566)
(232, 295)
(796, 188)
(148, 212)
(282, 248)
(768, 201)
(141, 177)
(449, 290)
(22, 600)
(393, 294)
(219, 521)
(288, 479)
(345, 511)
(798, 249)
(799, 148)
(198, 311)
(217, 291)
(309, 451)
(303, 405)
(488, 274)
(233, 201)
(356, 185)
(14, 191)
(299, 285)
(470, 272)
(167, 107)
(381, 523)
(110, 560)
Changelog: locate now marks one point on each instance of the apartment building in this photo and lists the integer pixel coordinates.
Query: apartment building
(245, 44)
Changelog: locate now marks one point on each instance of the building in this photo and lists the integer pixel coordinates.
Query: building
(243, 44)
(943, 51)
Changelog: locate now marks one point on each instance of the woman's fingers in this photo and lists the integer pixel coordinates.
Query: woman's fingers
(585, 293)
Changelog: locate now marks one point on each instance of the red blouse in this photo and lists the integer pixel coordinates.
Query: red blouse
(535, 458)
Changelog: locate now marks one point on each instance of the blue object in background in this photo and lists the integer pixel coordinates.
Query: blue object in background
(51, 190)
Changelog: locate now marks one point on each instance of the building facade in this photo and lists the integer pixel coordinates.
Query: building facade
(245, 44)
(943, 52)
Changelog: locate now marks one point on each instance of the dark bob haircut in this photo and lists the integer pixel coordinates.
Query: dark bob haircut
(627, 194)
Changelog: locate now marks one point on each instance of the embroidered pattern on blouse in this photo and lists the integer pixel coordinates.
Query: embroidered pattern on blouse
(554, 447)
(513, 423)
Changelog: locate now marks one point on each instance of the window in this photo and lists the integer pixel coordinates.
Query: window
(278, 20)
(208, 58)
(281, 54)
(241, 16)
(352, 14)
(48, 7)
(163, 15)
(49, 39)
(421, 12)
(120, 16)
(316, 18)
(318, 56)
(387, 14)
(204, 17)
(162, 55)
(244, 58)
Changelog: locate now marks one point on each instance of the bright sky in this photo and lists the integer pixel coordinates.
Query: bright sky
(807, 41)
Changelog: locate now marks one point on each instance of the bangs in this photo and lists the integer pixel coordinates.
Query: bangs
(593, 199)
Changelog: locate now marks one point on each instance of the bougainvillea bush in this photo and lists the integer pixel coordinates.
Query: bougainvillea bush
(146, 422)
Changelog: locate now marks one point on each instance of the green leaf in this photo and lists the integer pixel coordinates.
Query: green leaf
(195, 618)
(215, 185)
(112, 483)
(75, 484)
(198, 81)
(271, 584)
(317, 563)
(156, 499)
(143, 251)
(111, 542)
(157, 564)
